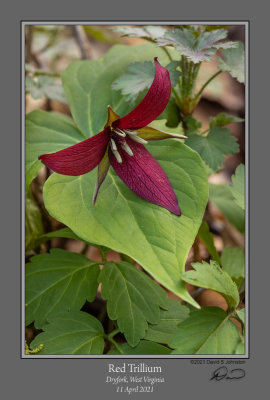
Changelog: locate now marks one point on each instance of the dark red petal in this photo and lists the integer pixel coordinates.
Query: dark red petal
(79, 158)
(153, 103)
(145, 177)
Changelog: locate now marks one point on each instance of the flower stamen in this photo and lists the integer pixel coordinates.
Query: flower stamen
(120, 132)
(126, 148)
(138, 139)
(115, 151)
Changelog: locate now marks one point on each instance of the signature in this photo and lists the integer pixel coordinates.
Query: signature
(224, 373)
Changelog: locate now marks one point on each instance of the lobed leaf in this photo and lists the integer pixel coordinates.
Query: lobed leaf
(234, 61)
(45, 86)
(133, 299)
(150, 32)
(73, 332)
(206, 331)
(211, 276)
(214, 146)
(58, 281)
(196, 48)
(233, 262)
(166, 328)
(223, 119)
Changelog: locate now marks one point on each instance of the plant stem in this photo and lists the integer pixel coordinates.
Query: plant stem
(205, 84)
(168, 53)
(109, 337)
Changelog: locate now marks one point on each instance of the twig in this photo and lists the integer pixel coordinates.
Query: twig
(82, 41)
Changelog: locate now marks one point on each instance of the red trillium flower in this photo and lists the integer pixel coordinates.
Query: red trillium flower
(121, 144)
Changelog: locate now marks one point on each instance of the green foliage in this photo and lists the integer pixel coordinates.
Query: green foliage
(166, 328)
(223, 119)
(192, 124)
(139, 77)
(99, 34)
(214, 146)
(206, 331)
(45, 86)
(72, 332)
(58, 281)
(87, 84)
(196, 48)
(133, 299)
(233, 262)
(144, 347)
(222, 197)
(118, 209)
(33, 224)
(46, 133)
(238, 186)
(149, 32)
(234, 62)
(207, 239)
(211, 276)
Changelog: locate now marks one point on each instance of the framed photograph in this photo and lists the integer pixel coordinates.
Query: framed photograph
(135, 145)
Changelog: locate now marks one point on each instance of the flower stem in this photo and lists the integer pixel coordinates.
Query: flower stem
(205, 84)
(110, 336)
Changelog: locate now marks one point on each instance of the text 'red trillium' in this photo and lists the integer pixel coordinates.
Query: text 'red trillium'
(121, 144)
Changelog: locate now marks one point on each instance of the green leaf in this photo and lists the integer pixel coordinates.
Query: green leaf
(71, 333)
(240, 349)
(223, 119)
(164, 331)
(87, 84)
(211, 276)
(242, 315)
(214, 146)
(206, 331)
(161, 125)
(238, 186)
(58, 281)
(33, 224)
(139, 77)
(133, 299)
(233, 262)
(46, 133)
(45, 86)
(196, 48)
(61, 233)
(222, 197)
(144, 347)
(120, 215)
(192, 124)
(234, 62)
(170, 114)
(150, 32)
(207, 238)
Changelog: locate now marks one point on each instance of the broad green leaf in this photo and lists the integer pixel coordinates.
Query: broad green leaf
(234, 61)
(223, 119)
(196, 48)
(222, 197)
(170, 114)
(58, 281)
(144, 347)
(161, 125)
(164, 331)
(46, 133)
(207, 238)
(206, 331)
(45, 86)
(233, 262)
(72, 332)
(60, 233)
(120, 220)
(139, 77)
(214, 146)
(87, 84)
(133, 299)
(149, 32)
(238, 186)
(211, 276)
(33, 224)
